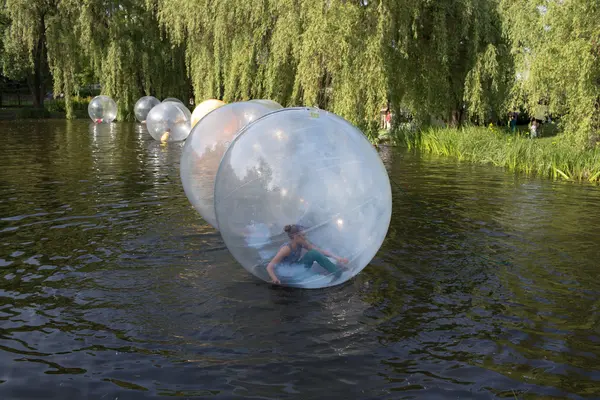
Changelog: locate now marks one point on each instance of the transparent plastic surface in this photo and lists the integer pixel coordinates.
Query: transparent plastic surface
(173, 99)
(102, 109)
(268, 103)
(204, 108)
(206, 145)
(169, 122)
(143, 106)
(307, 167)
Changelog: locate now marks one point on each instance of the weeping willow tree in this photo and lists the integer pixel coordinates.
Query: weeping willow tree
(25, 53)
(4, 22)
(297, 52)
(128, 53)
(447, 59)
(352, 57)
(120, 40)
(442, 58)
(556, 46)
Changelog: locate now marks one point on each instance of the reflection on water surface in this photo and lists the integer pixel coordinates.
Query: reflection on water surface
(112, 286)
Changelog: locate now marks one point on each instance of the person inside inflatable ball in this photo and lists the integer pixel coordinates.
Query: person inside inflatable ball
(291, 254)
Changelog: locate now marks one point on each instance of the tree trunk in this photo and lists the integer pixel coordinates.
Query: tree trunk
(456, 118)
(324, 86)
(141, 87)
(40, 66)
(35, 80)
(32, 88)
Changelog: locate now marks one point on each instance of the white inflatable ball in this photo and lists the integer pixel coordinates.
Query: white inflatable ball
(302, 199)
(143, 106)
(102, 109)
(206, 145)
(204, 108)
(169, 122)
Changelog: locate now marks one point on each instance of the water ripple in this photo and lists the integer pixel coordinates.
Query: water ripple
(112, 286)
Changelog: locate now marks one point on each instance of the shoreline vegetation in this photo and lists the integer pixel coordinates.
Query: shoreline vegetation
(54, 109)
(551, 157)
(458, 62)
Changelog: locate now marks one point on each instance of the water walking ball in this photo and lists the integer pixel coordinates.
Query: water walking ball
(102, 109)
(172, 99)
(143, 106)
(204, 108)
(313, 170)
(169, 122)
(206, 145)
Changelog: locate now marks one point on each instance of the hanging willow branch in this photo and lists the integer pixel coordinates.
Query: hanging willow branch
(441, 58)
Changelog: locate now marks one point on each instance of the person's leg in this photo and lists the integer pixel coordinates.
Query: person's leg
(314, 256)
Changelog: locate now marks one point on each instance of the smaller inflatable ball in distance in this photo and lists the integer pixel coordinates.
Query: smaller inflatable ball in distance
(169, 122)
(302, 199)
(206, 145)
(143, 106)
(204, 108)
(173, 99)
(102, 109)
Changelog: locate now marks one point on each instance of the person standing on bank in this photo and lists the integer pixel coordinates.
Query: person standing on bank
(534, 128)
(513, 122)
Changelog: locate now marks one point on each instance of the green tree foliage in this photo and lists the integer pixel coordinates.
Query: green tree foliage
(447, 59)
(4, 21)
(128, 53)
(556, 47)
(118, 41)
(436, 58)
(25, 52)
(297, 52)
(450, 60)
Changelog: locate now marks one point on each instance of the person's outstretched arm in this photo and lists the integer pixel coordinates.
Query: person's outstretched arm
(281, 254)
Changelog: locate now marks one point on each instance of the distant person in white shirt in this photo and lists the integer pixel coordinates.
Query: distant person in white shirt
(533, 128)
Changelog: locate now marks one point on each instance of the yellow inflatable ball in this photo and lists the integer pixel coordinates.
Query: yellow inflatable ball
(204, 108)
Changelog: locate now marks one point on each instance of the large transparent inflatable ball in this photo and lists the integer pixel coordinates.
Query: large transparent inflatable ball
(143, 106)
(206, 145)
(302, 199)
(204, 108)
(102, 109)
(169, 122)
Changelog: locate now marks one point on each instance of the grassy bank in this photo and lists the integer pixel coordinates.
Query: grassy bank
(550, 157)
(54, 108)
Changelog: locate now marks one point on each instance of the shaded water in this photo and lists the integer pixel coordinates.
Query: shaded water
(112, 286)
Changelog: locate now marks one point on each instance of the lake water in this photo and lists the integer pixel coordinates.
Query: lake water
(111, 285)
